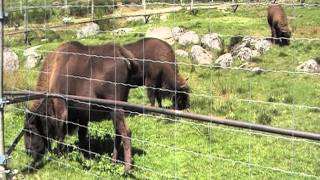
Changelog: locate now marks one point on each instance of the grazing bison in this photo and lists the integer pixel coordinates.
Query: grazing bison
(278, 23)
(69, 70)
(159, 72)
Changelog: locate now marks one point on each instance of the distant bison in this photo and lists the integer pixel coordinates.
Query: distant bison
(71, 70)
(159, 72)
(278, 23)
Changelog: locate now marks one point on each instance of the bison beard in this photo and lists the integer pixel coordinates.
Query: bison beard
(159, 73)
(278, 23)
(67, 71)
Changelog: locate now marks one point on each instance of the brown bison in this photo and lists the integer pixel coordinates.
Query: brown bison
(159, 72)
(278, 23)
(71, 70)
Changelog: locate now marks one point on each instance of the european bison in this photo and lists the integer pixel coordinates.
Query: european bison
(278, 23)
(159, 72)
(71, 70)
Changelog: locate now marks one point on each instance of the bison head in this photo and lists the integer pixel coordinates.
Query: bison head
(285, 38)
(181, 99)
(35, 143)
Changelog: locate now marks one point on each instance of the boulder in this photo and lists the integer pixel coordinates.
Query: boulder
(189, 37)
(225, 60)
(262, 45)
(245, 53)
(90, 29)
(33, 57)
(182, 53)
(177, 32)
(311, 66)
(200, 55)
(10, 60)
(163, 33)
(259, 45)
(212, 41)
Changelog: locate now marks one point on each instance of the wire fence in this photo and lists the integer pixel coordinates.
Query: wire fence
(216, 149)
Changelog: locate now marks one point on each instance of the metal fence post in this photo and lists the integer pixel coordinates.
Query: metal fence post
(92, 10)
(2, 153)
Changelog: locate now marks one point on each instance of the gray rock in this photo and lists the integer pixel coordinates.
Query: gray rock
(311, 66)
(33, 57)
(10, 61)
(246, 54)
(262, 45)
(200, 55)
(121, 31)
(212, 41)
(177, 32)
(90, 29)
(189, 37)
(163, 33)
(182, 53)
(225, 60)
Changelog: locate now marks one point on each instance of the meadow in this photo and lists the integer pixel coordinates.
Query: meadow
(168, 147)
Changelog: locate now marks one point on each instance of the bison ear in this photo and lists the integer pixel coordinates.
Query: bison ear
(134, 66)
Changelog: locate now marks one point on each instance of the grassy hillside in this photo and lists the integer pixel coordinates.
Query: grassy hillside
(166, 147)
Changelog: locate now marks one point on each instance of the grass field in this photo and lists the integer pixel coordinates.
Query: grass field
(166, 147)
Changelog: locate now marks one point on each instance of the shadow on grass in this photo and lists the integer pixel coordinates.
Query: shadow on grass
(96, 146)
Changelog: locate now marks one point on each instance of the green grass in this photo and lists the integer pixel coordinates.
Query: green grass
(165, 147)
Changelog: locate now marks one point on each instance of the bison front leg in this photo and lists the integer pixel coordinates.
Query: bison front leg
(273, 35)
(125, 135)
(151, 90)
(60, 115)
(159, 98)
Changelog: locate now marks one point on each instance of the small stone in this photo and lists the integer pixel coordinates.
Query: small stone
(311, 66)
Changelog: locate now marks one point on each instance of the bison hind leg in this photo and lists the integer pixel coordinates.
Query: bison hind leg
(124, 133)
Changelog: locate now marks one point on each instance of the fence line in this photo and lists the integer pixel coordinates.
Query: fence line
(200, 118)
(36, 96)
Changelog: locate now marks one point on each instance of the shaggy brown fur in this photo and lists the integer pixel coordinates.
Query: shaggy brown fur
(278, 23)
(68, 70)
(160, 72)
